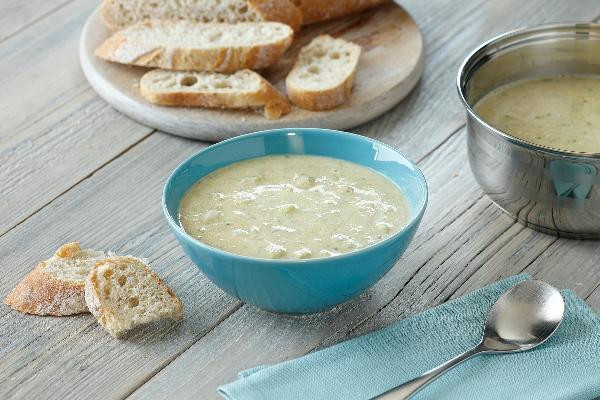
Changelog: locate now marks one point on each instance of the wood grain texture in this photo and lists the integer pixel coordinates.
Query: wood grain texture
(390, 65)
(464, 242)
(594, 299)
(98, 213)
(39, 76)
(456, 255)
(252, 337)
(16, 15)
(55, 130)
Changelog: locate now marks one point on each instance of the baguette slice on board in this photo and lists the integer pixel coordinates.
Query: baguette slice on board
(319, 10)
(185, 45)
(243, 89)
(117, 14)
(323, 75)
(390, 65)
(56, 286)
(123, 292)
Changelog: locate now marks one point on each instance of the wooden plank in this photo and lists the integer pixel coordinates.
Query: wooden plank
(594, 299)
(520, 252)
(251, 337)
(482, 244)
(61, 337)
(52, 48)
(569, 264)
(55, 130)
(40, 66)
(39, 169)
(564, 263)
(17, 14)
(48, 65)
(108, 210)
(88, 360)
(97, 212)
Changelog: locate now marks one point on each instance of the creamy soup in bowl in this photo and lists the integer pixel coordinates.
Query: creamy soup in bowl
(293, 207)
(315, 216)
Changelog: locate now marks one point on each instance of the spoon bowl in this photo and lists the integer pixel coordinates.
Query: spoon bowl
(524, 317)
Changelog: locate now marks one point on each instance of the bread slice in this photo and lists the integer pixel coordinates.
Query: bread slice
(185, 45)
(56, 286)
(123, 292)
(323, 75)
(118, 14)
(243, 89)
(319, 10)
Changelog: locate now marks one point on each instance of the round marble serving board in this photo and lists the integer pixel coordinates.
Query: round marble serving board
(390, 65)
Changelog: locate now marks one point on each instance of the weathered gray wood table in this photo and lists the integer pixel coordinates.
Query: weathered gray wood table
(72, 168)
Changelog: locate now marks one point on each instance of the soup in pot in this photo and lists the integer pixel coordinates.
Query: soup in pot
(562, 112)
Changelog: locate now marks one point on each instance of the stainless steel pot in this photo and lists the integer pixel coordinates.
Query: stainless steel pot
(551, 190)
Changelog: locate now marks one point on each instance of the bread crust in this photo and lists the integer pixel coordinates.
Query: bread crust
(319, 10)
(119, 48)
(106, 315)
(284, 11)
(280, 11)
(324, 99)
(275, 104)
(40, 293)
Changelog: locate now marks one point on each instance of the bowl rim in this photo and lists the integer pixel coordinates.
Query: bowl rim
(481, 50)
(296, 262)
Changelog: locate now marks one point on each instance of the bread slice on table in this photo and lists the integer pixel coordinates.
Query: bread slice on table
(56, 286)
(185, 45)
(123, 292)
(243, 89)
(319, 10)
(117, 14)
(323, 75)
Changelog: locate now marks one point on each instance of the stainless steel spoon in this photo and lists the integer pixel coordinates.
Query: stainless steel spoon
(522, 318)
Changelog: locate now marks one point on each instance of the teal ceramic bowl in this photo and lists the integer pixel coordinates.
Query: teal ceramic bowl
(298, 286)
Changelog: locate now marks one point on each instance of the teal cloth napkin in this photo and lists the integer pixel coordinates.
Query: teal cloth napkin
(567, 366)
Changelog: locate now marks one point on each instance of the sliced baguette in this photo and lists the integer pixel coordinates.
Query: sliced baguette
(56, 286)
(123, 293)
(319, 10)
(323, 75)
(185, 45)
(118, 14)
(243, 89)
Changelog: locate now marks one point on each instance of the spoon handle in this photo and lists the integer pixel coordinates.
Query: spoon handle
(408, 389)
